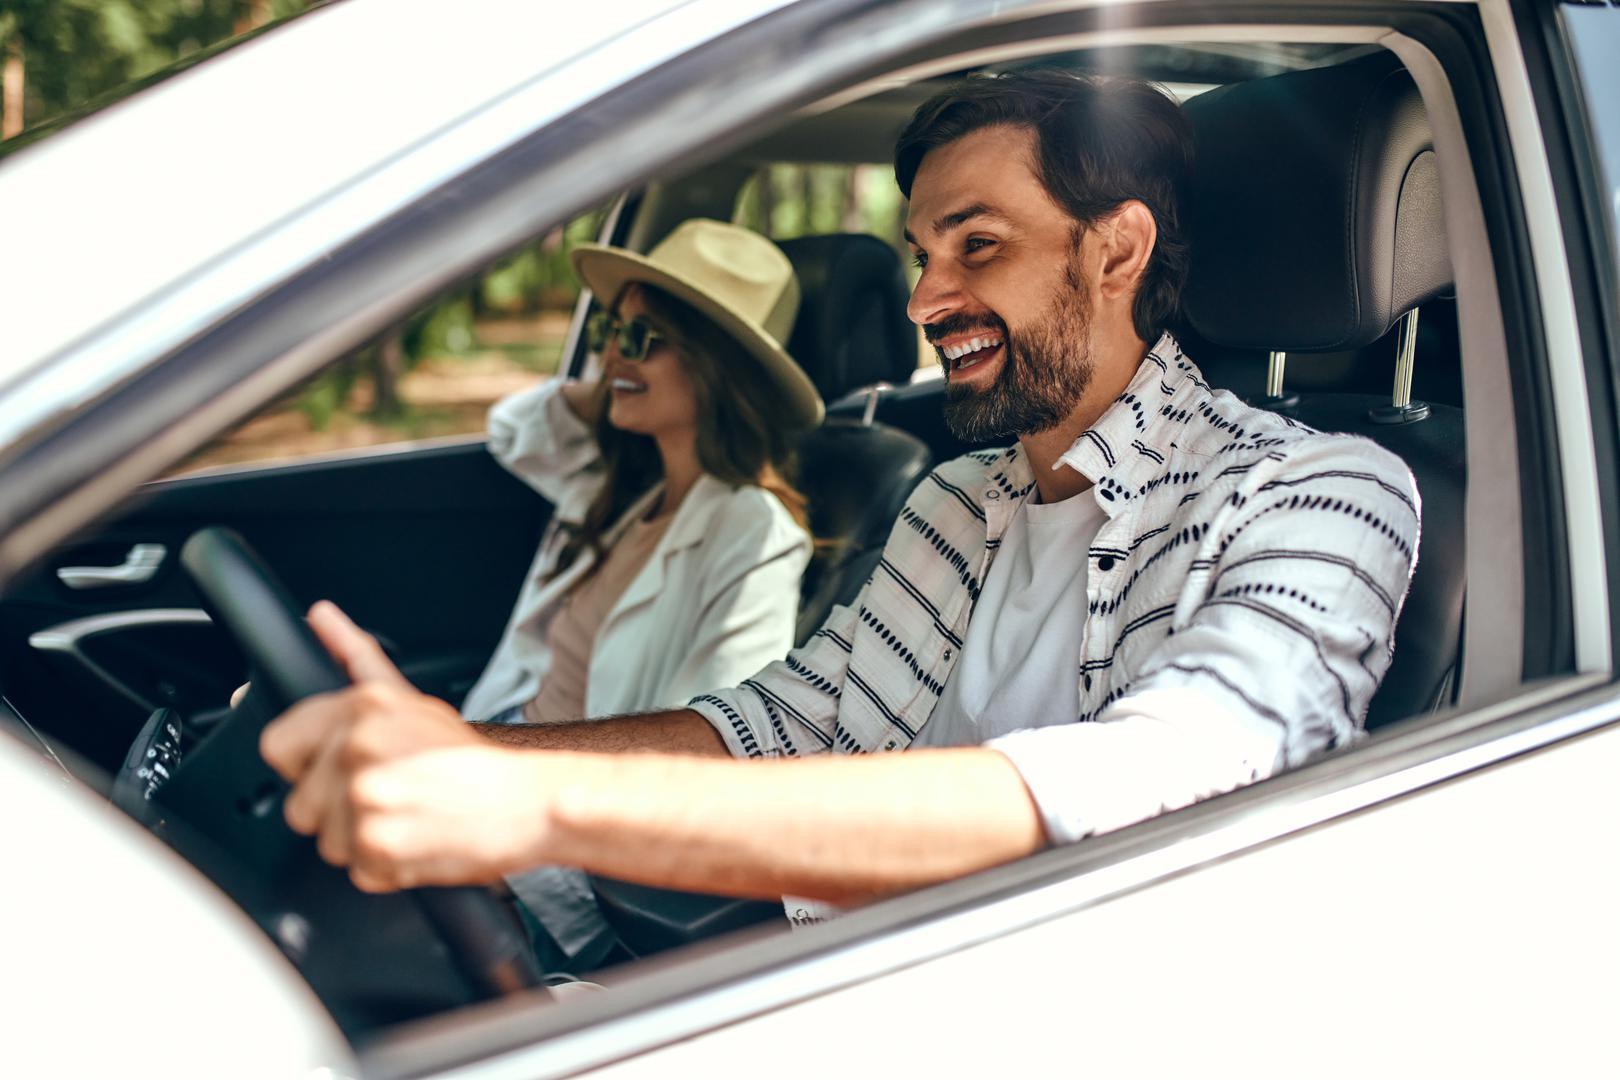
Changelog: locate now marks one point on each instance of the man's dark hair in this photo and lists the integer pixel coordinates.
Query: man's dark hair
(1101, 141)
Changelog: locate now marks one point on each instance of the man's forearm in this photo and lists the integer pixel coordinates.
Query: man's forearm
(679, 731)
(834, 828)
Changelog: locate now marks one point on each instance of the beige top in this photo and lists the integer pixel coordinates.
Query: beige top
(573, 631)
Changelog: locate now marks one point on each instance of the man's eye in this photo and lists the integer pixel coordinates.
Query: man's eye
(919, 259)
(978, 243)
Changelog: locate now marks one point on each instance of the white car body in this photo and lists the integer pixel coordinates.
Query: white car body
(1441, 900)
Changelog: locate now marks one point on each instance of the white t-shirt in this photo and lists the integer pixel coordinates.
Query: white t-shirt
(1020, 662)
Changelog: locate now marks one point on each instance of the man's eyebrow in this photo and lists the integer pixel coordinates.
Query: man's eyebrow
(946, 222)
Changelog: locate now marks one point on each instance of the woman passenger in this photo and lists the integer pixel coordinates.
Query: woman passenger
(672, 563)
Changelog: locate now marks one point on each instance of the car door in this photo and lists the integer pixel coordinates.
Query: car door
(425, 545)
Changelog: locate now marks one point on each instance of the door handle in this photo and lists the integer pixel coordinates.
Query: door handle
(138, 567)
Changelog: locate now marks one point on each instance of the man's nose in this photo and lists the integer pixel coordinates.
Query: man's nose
(937, 294)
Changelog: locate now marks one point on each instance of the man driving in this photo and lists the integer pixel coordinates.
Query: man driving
(1155, 594)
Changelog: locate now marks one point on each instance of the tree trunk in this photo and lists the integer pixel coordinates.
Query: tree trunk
(853, 220)
(767, 200)
(12, 87)
(252, 15)
(386, 370)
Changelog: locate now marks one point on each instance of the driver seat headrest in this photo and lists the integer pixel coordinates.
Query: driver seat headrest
(1314, 209)
(852, 329)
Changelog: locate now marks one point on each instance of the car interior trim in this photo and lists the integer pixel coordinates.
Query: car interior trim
(1213, 32)
(65, 637)
(1577, 448)
(1492, 645)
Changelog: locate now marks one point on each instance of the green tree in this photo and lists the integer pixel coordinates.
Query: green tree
(71, 54)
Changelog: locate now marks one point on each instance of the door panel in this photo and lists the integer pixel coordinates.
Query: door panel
(425, 547)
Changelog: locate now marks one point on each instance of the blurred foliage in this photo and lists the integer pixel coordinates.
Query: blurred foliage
(786, 201)
(536, 278)
(539, 275)
(78, 52)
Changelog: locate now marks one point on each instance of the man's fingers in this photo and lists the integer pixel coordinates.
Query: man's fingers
(354, 649)
(290, 742)
(335, 843)
(316, 803)
(366, 881)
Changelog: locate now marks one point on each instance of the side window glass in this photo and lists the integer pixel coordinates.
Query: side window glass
(435, 374)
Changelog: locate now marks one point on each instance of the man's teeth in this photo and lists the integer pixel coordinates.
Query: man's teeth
(972, 345)
(627, 384)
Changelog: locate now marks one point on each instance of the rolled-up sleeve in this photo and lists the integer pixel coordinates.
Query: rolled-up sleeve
(1277, 663)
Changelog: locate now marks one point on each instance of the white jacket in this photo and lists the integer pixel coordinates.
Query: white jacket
(716, 602)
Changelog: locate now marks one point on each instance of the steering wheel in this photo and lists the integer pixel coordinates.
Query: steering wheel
(227, 817)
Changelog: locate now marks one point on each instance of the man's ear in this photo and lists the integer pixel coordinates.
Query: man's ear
(1126, 240)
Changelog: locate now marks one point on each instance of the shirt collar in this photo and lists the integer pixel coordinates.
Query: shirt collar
(1127, 446)
(1134, 437)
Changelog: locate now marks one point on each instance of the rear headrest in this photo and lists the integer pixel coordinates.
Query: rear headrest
(852, 329)
(1315, 209)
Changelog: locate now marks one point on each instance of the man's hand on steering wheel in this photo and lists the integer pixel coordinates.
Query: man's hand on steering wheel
(393, 783)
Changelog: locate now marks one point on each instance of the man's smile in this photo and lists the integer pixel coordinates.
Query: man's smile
(964, 347)
(967, 353)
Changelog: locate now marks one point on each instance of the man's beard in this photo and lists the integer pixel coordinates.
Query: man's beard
(1045, 370)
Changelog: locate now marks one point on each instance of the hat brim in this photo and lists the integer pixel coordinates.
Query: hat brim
(607, 270)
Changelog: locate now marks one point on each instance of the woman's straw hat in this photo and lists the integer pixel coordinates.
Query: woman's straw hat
(735, 277)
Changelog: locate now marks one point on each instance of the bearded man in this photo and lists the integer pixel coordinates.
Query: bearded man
(1155, 594)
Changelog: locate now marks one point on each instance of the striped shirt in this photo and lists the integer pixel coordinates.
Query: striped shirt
(1241, 602)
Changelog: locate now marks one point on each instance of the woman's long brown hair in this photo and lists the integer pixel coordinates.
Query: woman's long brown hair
(740, 438)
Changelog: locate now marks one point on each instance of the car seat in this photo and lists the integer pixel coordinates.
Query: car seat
(1316, 226)
(852, 331)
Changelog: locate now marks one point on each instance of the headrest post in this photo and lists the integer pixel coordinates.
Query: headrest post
(873, 393)
(1275, 398)
(1274, 374)
(1405, 352)
(1402, 409)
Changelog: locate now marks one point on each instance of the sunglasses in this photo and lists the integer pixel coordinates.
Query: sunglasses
(635, 335)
